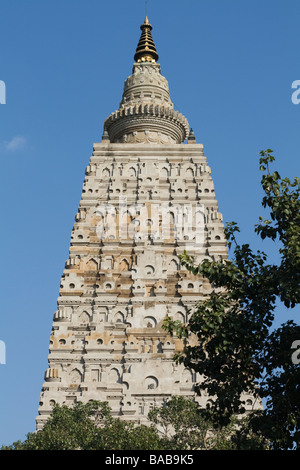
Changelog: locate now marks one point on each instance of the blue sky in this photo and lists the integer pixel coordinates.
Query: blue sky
(230, 66)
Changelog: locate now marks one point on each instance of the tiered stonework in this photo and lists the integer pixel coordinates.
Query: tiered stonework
(146, 113)
(146, 197)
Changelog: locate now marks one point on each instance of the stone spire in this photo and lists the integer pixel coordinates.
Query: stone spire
(141, 206)
(146, 113)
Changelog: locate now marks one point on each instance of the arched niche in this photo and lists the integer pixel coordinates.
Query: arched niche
(84, 317)
(114, 375)
(151, 382)
(124, 265)
(75, 376)
(149, 269)
(119, 317)
(149, 322)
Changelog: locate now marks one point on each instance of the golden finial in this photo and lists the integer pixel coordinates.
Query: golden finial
(146, 50)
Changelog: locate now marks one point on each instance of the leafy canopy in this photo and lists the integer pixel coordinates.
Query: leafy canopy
(236, 352)
(179, 424)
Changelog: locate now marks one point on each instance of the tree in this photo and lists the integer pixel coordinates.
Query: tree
(237, 351)
(183, 425)
(179, 424)
(88, 426)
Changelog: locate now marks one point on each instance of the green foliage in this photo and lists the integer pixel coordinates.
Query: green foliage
(180, 424)
(88, 427)
(282, 200)
(280, 386)
(183, 425)
(236, 352)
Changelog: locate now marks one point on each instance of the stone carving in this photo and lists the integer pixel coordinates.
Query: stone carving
(146, 113)
(123, 276)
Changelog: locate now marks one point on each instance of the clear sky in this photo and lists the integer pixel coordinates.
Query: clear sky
(230, 66)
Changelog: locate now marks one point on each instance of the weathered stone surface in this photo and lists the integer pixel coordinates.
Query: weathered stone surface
(107, 341)
(146, 197)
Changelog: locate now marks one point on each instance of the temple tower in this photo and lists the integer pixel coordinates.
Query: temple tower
(147, 196)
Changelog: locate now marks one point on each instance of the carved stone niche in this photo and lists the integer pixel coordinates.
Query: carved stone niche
(149, 322)
(151, 382)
